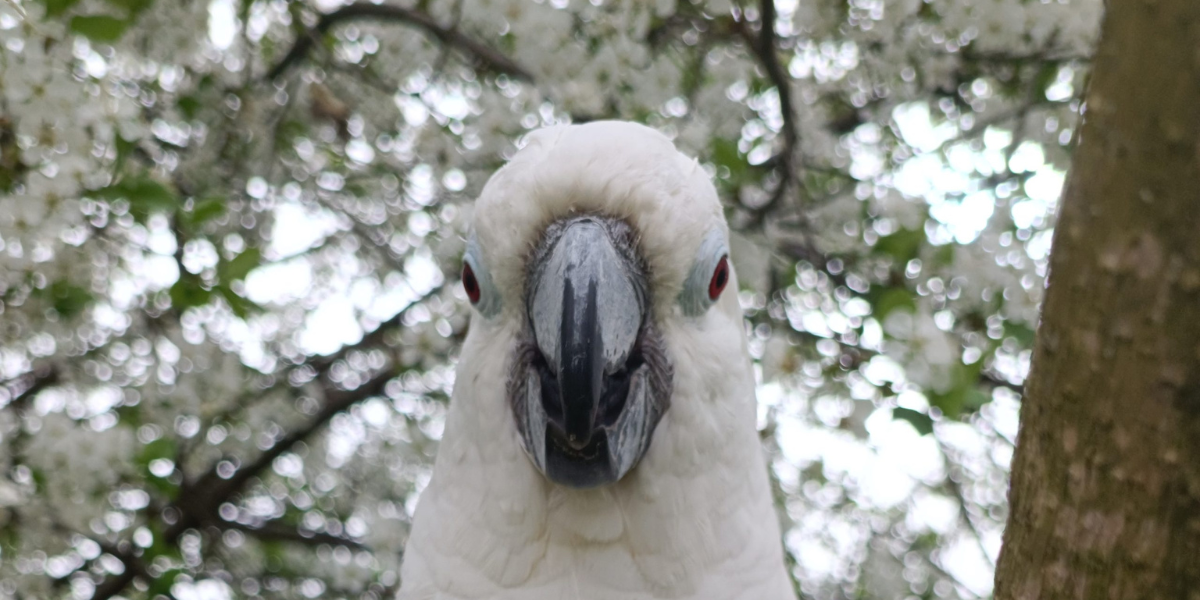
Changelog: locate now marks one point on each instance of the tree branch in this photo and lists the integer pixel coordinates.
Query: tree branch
(764, 48)
(116, 584)
(1047, 54)
(994, 380)
(198, 501)
(30, 384)
(210, 490)
(767, 53)
(272, 531)
(961, 497)
(320, 365)
(375, 338)
(482, 54)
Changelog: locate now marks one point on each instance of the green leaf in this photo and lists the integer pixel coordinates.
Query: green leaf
(99, 28)
(893, 299)
(189, 292)
(943, 256)
(125, 149)
(161, 586)
(55, 8)
(964, 393)
(239, 305)
(68, 299)
(902, 245)
(130, 415)
(144, 194)
(240, 266)
(725, 154)
(206, 210)
(189, 106)
(920, 421)
(163, 447)
(160, 547)
(1045, 78)
(1020, 332)
(132, 7)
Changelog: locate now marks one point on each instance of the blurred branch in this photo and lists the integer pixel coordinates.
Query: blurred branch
(483, 55)
(996, 381)
(375, 338)
(805, 250)
(122, 552)
(199, 500)
(117, 583)
(320, 365)
(764, 45)
(765, 49)
(770, 58)
(1048, 54)
(439, 66)
(272, 531)
(961, 497)
(1035, 96)
(1018, 113)
(210, 490)
(114, 585)
(26, 386)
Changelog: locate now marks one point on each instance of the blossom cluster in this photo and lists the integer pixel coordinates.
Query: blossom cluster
(230, 234)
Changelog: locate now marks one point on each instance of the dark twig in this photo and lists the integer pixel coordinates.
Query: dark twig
(484, 56)
(805, 250)
(117, 583)
(320, 365)
(996, 381)
(768, 54)
(28, 385)
(272, 531)
(1047, 54)
(370, 340)
(960, 496)
(210, 490)
(765, 48)
(114, 585)
(199, 500)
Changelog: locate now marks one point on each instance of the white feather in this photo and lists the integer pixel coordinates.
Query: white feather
(694, 520)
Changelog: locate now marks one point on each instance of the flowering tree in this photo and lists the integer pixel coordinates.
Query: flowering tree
(229, 233)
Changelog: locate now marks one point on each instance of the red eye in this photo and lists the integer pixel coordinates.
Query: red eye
(470, 284)
(719, 279)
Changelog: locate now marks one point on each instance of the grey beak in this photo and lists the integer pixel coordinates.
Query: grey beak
(586, 306)
(592, 380)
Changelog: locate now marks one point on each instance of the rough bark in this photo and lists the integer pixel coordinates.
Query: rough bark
(1105, 498)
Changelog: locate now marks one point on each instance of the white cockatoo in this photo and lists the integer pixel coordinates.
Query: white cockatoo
(601, 440)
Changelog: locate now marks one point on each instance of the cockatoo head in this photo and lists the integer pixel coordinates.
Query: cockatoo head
(599, 259)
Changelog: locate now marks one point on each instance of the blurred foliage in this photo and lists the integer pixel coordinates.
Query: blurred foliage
(227, 232)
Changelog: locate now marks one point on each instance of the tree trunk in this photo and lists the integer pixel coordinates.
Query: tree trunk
(1105, 498)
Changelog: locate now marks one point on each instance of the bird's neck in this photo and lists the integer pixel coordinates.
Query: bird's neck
(696, 512)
